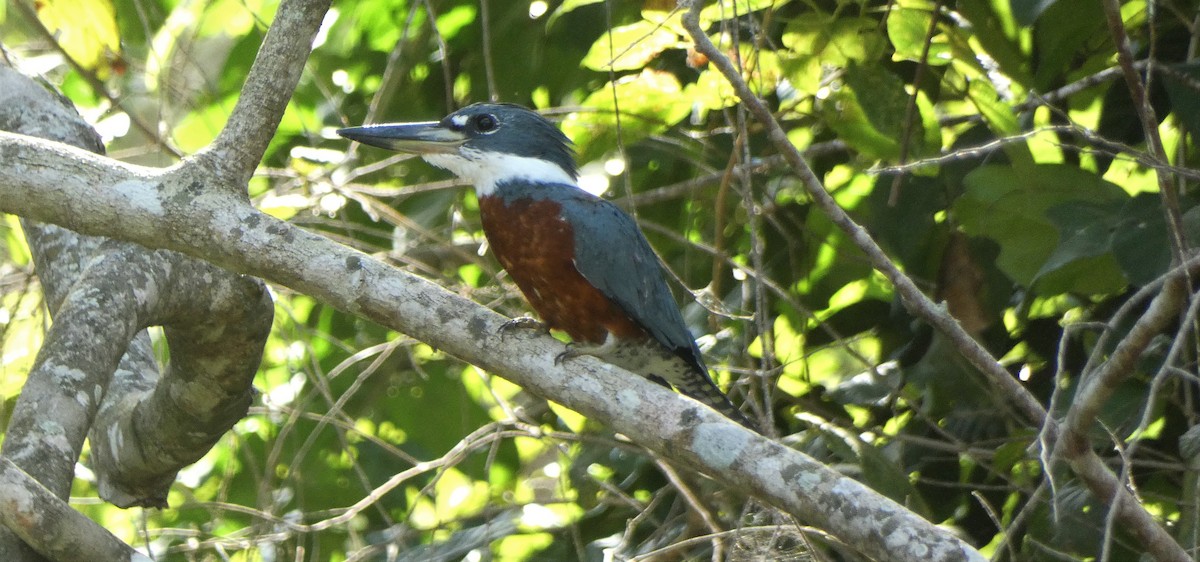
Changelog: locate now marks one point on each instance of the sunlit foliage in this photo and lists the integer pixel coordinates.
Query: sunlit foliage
(957, 133)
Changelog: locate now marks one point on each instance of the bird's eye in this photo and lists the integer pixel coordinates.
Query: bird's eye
(485, 123)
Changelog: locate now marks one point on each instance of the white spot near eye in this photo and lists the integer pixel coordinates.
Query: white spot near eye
(459, 120)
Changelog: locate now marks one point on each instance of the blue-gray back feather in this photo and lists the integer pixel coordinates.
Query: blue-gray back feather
(612, 253)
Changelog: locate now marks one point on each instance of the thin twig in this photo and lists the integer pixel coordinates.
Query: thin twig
(1149, 122)
(89, 76)
(910, 111)
(910, 294)
(489, 70)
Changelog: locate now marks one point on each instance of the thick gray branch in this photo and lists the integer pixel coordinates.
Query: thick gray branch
(216, 324)
(40, 517)
(48, 447)
(1084, 461)
(169, 209)
(101, 293)
(91, 330)
(196, 209)
(912, 297)
(235, 153)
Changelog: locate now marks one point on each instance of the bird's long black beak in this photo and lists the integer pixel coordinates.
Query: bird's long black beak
(429, 137)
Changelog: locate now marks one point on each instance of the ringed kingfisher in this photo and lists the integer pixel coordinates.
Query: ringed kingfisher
(582, 263)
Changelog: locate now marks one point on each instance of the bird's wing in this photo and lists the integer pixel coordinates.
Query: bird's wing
(613, 254)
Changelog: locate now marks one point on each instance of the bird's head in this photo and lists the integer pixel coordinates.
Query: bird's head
(487, 144)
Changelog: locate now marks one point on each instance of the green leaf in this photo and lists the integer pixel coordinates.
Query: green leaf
(1027, 11)
(1001, 119)
(996, 32)
(14, 242)
(86, 29)
(649, 103)
(1182, 83)
(907, 28)
(869, 112)
(1083, 261)
(1139, 239)
(907, 228)
(1009, 205)
(834, 41)
(712, 91)
(455, 20)
(200, 127)
(232, 18)
(729, 9)
(629, 47)
(567, 7)
(1066, 32)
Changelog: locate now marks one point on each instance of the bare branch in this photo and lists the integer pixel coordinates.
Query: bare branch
(1094, 392)
(53, 528)
(216, 324)
(1101, 480)
(1149, 122)
(916, 301)
(239, 147)
(220, 226)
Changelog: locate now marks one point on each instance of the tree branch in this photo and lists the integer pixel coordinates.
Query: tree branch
(1149, 123)
(1094, 392)
(53, 528)
(101, 293)
(915, 300)
(49, 451)
(216, 324)
(1089, 466)
(170, 209)
(239, 147)
(199, 208)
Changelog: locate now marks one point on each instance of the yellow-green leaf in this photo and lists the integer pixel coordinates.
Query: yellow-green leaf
(907, 28)
(649, 103)
(86, 29)
(629, 47)
(730, 9)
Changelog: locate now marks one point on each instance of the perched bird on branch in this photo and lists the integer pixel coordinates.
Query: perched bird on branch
(581, 261)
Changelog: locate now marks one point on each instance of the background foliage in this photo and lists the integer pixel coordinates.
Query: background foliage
(986, 144)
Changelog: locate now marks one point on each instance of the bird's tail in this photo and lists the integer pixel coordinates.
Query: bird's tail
(702, 389)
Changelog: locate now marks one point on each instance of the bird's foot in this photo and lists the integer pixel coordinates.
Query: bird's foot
(604, 351)
(578, 350)
(523, 323)
(571, 352)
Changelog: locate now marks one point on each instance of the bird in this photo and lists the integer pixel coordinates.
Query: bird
(581, 262)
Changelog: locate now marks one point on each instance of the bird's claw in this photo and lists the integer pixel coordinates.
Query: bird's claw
(523, 323)
(570, 353)
(576, 350)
